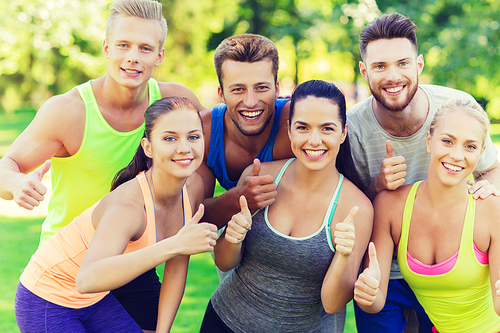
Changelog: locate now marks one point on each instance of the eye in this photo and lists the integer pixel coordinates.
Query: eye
(447, 142)
(122, 46)
(403, 63)
(379, 67)
(237, 90)
(301, 128)
(169, 138)
(262, 88)
(194, 137)
(147, 49)
(328, 129)
(471, 147)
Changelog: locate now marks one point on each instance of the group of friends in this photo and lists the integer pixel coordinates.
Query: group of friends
(392, 202)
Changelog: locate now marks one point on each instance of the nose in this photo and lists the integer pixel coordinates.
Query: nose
(183, 147)
(133, 55)
(315, 138)
(393, 74)
(456, 153)
(251, 99)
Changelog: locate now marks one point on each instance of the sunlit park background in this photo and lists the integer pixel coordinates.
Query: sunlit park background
(47, 47)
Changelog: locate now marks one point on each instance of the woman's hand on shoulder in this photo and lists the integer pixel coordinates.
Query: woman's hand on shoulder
(196, 237)
(239, 224)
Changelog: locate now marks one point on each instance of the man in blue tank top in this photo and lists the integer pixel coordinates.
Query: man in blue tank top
(135, 35)
(250, 126)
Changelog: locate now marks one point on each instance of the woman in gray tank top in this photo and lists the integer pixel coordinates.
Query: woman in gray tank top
(305, 249)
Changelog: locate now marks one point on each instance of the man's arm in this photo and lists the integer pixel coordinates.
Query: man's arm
(55, 131)
(259, 190)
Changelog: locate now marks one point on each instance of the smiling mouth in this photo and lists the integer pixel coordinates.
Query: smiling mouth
(184, 162)
(314, 153)
(251, 114)
(131, 71)
(452, 167)
(394, 90)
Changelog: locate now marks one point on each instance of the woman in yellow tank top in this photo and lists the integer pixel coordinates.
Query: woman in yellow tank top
(145, 221)
(448, 251)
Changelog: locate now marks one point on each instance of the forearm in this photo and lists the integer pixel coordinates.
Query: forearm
(227, 255)
(338, 285)
(112, 272)
(172, 290)
(220, 209)
(9, 174)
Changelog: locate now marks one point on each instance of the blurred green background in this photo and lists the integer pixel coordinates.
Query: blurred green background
(47, 47)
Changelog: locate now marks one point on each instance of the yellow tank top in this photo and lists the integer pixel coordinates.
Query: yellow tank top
(51, 272)
(80, 180)
(459, 300)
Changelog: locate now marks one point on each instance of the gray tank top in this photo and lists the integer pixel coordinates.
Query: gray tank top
(277, 286)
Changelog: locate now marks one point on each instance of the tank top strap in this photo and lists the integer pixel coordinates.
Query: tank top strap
(147, 195)
(282, 171)
(154, 91)
(331, 212)
(467, 240)
(405, 226)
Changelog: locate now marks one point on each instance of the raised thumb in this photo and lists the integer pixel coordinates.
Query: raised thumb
(42, 170)
(350, 217)
(197, 216)
(256, 168)
(244, 207)
(373, 265)
(389, 148)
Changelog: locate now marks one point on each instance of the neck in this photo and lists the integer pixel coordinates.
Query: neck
(165, 188)
(118, 97)
(314, 181)
(441, 195)
(406, 122)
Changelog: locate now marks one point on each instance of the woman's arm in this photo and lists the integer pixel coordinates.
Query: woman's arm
(230, 246)
(172, 290)
(493, 210)
(371, 287)
(350, 238)
(106, 267)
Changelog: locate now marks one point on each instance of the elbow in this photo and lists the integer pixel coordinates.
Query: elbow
(332, 308)
(82, 284)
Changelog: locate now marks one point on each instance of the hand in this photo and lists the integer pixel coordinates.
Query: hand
(367, 285)
(344, 233)
(30, 190)
(482, 189)
(240, 223)
(197, 237)
(259, 191)
(392, 172)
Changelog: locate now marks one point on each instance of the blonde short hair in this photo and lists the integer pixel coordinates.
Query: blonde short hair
(145, 9)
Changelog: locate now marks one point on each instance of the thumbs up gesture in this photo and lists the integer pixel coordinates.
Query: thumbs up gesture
(259, 190)
(240, 223)
(392, 172)
(30, 191)
(196, 237)
(367, 285)
(344, 233)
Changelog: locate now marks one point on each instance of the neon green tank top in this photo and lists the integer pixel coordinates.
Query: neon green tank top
(82, 179)
(459, 300)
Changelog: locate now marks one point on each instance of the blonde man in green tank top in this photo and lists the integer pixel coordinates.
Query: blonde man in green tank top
(91, 132)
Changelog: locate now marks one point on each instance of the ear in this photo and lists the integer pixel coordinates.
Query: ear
(105, 50)
(428, 141)
(220, 92)
(277, 88)
(161, 56)
(344, 134)
(362, 70)
(146, 146)
(420, 63)
(289, 132)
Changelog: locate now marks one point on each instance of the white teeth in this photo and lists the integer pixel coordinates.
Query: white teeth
(314, 153)
(452, 167)
(251, 114)
(395, 89)
(131, 71)
(186, 162)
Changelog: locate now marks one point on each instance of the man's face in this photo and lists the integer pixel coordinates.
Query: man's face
(132, 48)
(391, 67)
(249, 91)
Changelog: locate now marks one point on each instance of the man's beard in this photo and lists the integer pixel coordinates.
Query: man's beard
(391, 107)
(248, 133)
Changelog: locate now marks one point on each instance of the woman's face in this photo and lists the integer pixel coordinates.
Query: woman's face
(316, 132)
(455, 146)
(177, 144)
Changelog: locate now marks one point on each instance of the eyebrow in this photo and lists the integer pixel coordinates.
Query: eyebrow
(384, 62)
(322, 125)
(244, 85)
(454, 137)
(174, 132)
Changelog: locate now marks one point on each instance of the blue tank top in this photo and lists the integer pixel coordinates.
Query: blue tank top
(277, 286)
(216, 159)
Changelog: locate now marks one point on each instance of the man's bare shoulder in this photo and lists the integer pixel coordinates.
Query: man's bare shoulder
(67, 104)
(170, 89)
